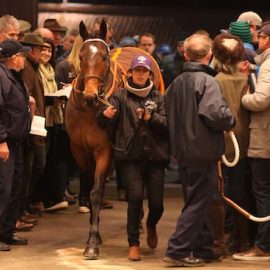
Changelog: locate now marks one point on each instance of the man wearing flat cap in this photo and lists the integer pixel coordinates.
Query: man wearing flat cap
(258, 103)
(31, 73)
(37, 148)
(255, 23)
(59, 32)
(25, 27)
(15, 122)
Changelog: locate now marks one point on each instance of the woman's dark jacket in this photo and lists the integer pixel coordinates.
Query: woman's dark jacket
(15, 118)
(133, 138)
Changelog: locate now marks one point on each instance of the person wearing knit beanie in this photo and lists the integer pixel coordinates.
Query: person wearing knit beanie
(242, 30)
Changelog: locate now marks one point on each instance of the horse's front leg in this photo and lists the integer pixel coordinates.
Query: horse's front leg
(96, 195)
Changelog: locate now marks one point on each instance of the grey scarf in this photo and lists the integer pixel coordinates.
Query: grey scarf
(140, 92)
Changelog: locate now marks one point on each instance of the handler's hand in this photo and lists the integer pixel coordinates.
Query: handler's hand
(140, 112)
(146, 116)
(4, 151)
(109, 112)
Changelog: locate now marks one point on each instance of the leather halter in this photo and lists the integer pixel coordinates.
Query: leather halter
(103, 79)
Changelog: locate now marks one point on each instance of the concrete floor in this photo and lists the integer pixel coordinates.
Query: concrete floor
(58, 241)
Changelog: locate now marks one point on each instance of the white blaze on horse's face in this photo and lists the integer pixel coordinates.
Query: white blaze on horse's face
(93, 49)
(95, 67)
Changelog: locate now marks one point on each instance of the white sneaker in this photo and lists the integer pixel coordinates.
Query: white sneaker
(58, 206)
(84, 209)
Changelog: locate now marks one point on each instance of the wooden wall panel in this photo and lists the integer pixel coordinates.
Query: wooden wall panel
(21, 9)
(166, 27)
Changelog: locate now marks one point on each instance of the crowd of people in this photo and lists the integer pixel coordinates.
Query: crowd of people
(212, 86)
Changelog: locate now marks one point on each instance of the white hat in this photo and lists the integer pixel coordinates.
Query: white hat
(250, 17)
(38, 126)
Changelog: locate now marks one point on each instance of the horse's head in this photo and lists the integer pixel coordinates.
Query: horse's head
(95, 64)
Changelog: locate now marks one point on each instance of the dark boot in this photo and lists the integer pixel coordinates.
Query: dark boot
(242, 232)
(218, 219)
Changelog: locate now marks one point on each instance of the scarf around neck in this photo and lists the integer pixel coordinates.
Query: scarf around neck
(48, 78)
(140, 92)
(53, 113)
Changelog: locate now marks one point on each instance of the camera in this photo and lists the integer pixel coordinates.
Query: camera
(150, 106)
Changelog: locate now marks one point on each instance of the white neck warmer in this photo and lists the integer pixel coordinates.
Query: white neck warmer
(140, 92)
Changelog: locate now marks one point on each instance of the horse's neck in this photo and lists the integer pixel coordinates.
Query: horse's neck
(115, 79)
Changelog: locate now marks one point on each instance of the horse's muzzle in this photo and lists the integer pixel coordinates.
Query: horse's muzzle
(91, 100)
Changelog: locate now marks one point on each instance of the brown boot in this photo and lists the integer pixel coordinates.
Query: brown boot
(218, 217)
(152, 237)
(134, 253)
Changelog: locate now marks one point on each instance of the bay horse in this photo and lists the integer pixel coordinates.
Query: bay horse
(90, 146)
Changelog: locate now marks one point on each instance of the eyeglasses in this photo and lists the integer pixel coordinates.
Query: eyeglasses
(147, 44)
(262, 36)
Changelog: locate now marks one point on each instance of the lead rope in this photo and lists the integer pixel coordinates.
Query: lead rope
(104, 101)
(100, 99)
(220, 183)
(236, 151)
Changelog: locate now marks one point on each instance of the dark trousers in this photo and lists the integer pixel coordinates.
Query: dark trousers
(35, 168)
(193, 229)
(56, 170)
(139, 174)
(85, 188)
(261, 189)
(11, 174)
(64, 162)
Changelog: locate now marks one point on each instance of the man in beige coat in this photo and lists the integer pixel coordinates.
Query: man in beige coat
(259, 147)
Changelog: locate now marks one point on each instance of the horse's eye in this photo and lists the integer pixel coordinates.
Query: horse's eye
(104, 58)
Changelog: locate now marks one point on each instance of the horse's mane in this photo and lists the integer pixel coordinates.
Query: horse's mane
(73, 58)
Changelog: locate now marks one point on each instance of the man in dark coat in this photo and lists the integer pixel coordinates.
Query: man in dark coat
(15, 122)
(197, 117)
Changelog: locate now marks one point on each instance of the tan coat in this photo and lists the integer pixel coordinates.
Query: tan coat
(259, 104)
(234, 86)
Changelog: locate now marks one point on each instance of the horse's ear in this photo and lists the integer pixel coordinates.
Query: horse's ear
(103, 29)
(83, 31)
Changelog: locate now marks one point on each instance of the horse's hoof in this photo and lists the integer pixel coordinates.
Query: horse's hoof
(91, 253)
